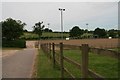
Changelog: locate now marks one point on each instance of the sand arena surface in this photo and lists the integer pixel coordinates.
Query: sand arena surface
(100, 43)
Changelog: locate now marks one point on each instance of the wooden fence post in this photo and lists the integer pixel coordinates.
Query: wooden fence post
(61, 60)
(53, 51)
(47, 48)
(84, 67)
(50, 50)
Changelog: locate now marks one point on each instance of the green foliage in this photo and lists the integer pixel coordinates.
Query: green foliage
(14, 43)
(38, 28)
(113, 33)
(47, 30)
(119, 33)
(101, 33)
(12, 29)
(87, 35)
(76, 32)
(25, 30)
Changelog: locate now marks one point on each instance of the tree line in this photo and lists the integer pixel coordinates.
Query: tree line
(97, 33)
(13, 29)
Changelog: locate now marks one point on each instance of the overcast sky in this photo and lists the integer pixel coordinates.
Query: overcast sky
(96, 14)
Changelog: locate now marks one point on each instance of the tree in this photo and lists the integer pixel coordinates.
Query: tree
(50, 30)
(118, 33)
(47, 30)
(112, 33)
(101, 33)
(25, 30)
(76, 32)
(85, 31)
(12, 29)
(38, 28)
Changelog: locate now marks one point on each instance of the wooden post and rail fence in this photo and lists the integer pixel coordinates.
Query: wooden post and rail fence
(50, 50)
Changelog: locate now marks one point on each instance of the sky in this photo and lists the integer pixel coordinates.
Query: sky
(96, 14)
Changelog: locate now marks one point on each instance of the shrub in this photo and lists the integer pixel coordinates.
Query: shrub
(14, 43)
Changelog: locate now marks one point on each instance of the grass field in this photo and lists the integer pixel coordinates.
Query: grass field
(45, 34)
(51, 35)
(103, 65)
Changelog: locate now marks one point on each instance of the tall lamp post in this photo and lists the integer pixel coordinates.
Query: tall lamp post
(61, 21)
(87, 25)
(48, 26)
(87, 29)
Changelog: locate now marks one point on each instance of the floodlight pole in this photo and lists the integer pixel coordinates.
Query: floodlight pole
(48, 26)
(61, 22)
(87, 29)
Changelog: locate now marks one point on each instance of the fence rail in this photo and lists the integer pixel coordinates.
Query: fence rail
(56, 53)
(106, 52)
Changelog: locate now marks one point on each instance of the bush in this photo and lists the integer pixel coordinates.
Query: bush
(14, 43)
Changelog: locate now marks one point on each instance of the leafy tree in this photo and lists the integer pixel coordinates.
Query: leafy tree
(87, 35)
(47, 30)
(25, 30)
(76, 32)
(101, 33)
(112, 33)
(118, 33)
(12, 29)
(50, 30)
(85, 31)
(38, 28)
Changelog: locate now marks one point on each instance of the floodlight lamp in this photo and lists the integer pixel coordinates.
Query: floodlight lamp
(59, 9)
(63, 9)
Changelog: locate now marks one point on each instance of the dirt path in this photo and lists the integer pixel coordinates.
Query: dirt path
(20, 63)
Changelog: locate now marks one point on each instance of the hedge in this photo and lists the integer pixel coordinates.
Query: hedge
(14, 43)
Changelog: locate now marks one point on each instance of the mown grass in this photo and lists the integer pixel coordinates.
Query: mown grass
(103, 65)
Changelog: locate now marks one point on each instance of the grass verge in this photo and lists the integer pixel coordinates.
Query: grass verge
(45, 68)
